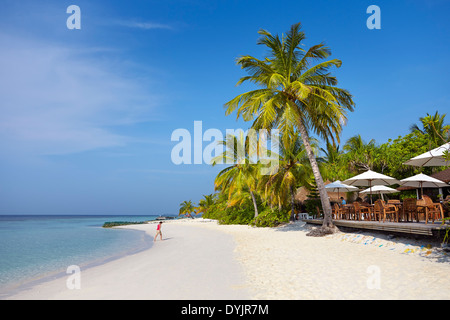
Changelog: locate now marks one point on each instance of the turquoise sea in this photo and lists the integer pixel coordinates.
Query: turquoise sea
(34, 247)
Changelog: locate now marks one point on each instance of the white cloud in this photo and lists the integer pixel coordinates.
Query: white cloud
(144, 25)
(56, 101)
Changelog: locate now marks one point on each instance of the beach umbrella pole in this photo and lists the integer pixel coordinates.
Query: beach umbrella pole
(421, 188)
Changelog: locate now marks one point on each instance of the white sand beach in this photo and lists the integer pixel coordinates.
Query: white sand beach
(190, 263)
(202, 260)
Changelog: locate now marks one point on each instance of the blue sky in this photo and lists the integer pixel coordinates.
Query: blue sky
(87, 115)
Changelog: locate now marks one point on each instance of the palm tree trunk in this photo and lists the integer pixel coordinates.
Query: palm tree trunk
(292, 204)
(327, 221)
(254, 203)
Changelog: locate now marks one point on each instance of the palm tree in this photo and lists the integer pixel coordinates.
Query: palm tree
(186, 207)
(205, 203)
(360, 154)
(294, 94)
(293, 171)
(434, 128)
(333, 163)
(241, 177)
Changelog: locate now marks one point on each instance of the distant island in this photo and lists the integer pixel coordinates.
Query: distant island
(121, 223)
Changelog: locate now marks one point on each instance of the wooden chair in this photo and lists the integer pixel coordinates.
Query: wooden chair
(338, 213)
(398, 204)
(377, 211)
(361, 210)
(392, 211)
(385, 210)
(446, 206)
(430, 209)
(410, 209)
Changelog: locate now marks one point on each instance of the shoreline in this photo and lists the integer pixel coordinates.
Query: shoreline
(16, 287)
(36, 255)
(201, 260)
(154, 273)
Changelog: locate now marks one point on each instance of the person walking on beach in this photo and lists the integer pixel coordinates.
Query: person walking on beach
(158, 231)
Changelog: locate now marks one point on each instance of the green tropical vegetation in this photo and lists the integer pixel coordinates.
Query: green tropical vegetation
(240, 179)
(297, 94)
(293, 171)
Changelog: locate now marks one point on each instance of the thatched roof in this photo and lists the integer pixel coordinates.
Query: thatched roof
(302, 194)
(442, 175)
(405, 188)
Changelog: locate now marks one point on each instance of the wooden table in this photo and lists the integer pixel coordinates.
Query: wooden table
(370, 206)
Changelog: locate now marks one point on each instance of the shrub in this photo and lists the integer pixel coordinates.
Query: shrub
(311, 204)
(407, 194)
(230, 215)
(237, 216)
(271, 218)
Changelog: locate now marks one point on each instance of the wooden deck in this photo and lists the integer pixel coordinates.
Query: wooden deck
(418, 228)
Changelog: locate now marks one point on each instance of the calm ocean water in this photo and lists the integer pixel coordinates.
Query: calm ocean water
(32, 247)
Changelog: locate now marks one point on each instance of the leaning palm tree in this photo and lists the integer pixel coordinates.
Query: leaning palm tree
(186, 207)
(294, 94)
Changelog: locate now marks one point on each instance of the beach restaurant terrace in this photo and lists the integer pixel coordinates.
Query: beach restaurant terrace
(412, 215)
(419, 215)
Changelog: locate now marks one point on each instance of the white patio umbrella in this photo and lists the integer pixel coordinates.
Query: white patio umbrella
(371, 178)
(422, 180)
(379, 190)
(338, 186)
(433, 158)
